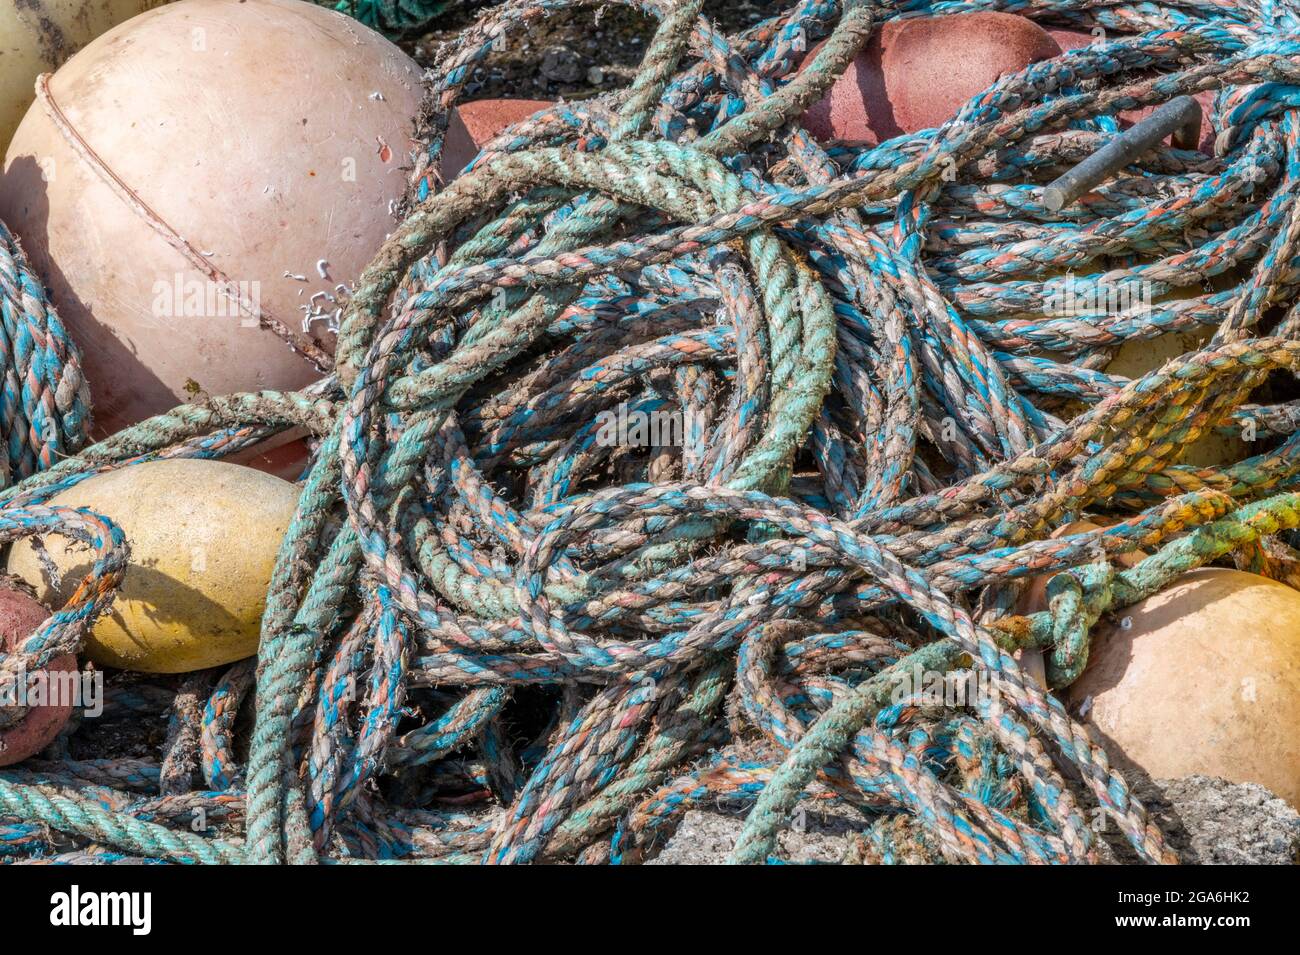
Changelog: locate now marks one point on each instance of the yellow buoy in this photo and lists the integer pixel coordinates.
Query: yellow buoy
(1068, 294)
(203, 537)
(1203, 677)
(1136, 358)
(37, 36)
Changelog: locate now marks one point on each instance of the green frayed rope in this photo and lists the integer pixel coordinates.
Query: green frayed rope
(390, 16)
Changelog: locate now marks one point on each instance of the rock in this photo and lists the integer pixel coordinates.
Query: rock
(1210, 821)
(1206, 821)
(561, 65)
(707, 836)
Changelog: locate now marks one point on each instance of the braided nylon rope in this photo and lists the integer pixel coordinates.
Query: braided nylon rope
(496, 635)
(391, 16)
(45, 402)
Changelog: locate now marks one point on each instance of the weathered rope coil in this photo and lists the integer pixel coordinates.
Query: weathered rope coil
(882, 418)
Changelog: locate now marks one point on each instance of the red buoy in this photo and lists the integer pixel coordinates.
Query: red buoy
(472, 125)
(915, 74)
(20, 615)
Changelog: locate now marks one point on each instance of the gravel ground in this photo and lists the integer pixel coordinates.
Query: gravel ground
(1207, 821)
(571, 54)
(1215, 822)
(705, 837)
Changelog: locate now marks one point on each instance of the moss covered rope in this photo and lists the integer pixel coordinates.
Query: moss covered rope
(499, 633)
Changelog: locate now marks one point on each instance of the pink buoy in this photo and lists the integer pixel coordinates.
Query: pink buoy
(195, 186)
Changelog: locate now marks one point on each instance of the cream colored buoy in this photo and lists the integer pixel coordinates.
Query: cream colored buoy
(203, 536)
(1138, 357)
(1203, 677)
(199, 186)
(38, 36)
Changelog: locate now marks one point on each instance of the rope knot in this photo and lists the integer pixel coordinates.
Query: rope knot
(1076, 599)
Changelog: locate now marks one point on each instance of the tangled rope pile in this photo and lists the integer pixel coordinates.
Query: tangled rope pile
(496, 635)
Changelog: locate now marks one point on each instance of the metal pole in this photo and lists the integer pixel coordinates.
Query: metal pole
(1181, 116)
